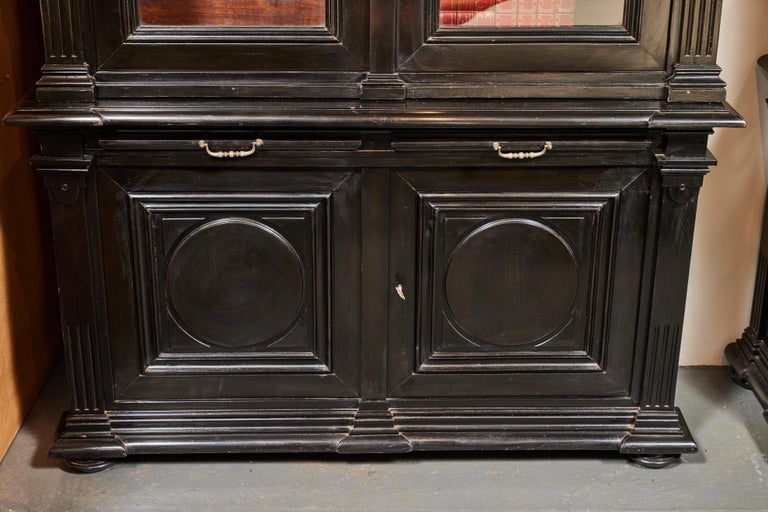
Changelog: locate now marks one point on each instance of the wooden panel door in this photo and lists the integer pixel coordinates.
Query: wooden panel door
(517, 283)
(224, 284)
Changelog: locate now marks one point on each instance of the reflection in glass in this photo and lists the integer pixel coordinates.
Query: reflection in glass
(258, 13)
(529, 13)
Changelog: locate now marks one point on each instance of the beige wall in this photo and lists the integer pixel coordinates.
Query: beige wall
(599, 12)
(29, 341)
(730, 209)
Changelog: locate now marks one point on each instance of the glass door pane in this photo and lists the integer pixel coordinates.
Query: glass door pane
(529, 13)
(257, 13)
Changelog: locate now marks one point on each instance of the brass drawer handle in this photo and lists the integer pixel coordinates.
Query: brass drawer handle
(231, 154)
(523, 155)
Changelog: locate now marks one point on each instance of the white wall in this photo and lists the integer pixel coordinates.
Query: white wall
(730, 207)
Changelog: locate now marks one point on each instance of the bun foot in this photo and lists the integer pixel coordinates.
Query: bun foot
(655, 461)
(88, 465)
(738, 378)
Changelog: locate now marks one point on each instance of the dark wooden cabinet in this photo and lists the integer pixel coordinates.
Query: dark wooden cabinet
(748, 355)
(374, 226)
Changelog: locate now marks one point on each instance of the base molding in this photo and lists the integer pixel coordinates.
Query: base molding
(87, 437)
(659, 432)
(696, 83)
(748, 359)
(374, 431)
(65, 83)
(374, 427)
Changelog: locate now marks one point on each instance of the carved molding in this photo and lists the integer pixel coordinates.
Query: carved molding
(63, 177)
(683, 176)
(696, 84)
(62, 31)
(250, 331)
(758, 298)
(382, 86)
(659, 431)
(700, 30)
(696, 76)
(65, 83)
(682, 169)
(87, 436)
(374, 431)
(663, 350)
(748, 360)
(80, 358)
(66, 77)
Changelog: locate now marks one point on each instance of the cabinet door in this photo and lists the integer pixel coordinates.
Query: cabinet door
(516, 283)
(491, 36)
(320, 45)
(230, 283)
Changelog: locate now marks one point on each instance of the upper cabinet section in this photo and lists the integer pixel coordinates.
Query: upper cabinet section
(382, 49)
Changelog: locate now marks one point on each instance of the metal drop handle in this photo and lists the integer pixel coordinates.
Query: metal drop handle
(231, 154)
(522, 155)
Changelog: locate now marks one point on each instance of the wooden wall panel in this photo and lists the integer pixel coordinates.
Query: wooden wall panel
(29, 343)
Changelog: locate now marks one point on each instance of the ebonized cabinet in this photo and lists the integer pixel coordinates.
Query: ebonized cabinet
(374, 226)
(748, 356)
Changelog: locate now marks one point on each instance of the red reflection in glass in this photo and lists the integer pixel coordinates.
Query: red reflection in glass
(507, 13)
(258, 13)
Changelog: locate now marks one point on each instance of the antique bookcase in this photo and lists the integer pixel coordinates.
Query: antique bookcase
(374, 226)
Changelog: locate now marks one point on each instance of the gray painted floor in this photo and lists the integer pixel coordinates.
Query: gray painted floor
(728, 473)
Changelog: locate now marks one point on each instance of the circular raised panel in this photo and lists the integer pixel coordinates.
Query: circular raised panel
(511, 282)
(234, 283)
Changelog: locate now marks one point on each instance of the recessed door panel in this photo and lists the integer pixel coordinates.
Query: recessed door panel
(234, 283)
(511, 279)
(234, 279)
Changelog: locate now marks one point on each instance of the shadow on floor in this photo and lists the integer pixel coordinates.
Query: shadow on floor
(708, 393)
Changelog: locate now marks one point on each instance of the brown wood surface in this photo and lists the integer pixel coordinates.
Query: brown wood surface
(29, 343)
(261, 13)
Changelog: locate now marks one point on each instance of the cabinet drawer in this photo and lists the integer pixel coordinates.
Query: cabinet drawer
(227, 150)
(519, 150)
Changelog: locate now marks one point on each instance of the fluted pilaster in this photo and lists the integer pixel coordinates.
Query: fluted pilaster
(66, 78)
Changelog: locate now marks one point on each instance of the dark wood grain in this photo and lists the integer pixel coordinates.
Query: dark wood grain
(257, 13)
